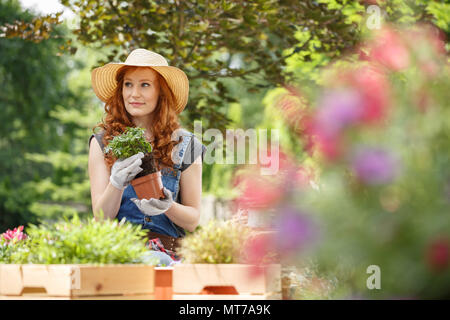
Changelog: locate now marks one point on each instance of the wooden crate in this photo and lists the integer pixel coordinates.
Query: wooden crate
(226, 282)
(76, 281)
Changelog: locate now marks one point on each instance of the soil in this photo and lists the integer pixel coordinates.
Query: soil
(148, 165)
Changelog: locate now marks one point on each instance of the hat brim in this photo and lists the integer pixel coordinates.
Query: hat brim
(104, 81)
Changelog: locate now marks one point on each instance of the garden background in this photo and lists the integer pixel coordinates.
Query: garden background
(243, 58)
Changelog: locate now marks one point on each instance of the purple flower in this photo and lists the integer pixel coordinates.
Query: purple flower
(295, 230)
(375, 166)
(339, 109)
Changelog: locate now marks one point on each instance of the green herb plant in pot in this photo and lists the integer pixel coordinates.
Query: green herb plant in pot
(147, 183)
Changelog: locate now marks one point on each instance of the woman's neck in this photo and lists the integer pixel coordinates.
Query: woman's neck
(147, 125)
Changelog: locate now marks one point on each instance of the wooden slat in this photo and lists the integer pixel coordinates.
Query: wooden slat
(192, 278)
(267, 296)
(76, 280)
(46, 297)
(11, 279)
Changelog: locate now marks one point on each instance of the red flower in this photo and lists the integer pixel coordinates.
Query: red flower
(257, 247)
(374, 90)
(438, 254)
(259, 191)
(263, 191)
(12, 236)
(361, 96)
(329, 146)
(389, 49)
(259, 250)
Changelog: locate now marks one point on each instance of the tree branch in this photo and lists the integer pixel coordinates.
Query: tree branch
(233, 74)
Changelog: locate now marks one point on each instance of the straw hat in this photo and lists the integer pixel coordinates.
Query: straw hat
(104, 78)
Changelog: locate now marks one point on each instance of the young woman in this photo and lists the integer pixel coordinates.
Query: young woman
(145, 92)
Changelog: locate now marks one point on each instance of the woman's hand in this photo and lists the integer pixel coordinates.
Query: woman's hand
(124, 170)
(153, 207)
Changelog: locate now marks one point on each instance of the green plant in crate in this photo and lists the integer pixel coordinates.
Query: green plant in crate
(84, 242)
(216, 242)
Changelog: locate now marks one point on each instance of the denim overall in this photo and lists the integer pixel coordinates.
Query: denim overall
(171, 180)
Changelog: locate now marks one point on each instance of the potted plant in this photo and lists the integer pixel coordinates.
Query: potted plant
(147, 183)
(77, 259)
(216, 265)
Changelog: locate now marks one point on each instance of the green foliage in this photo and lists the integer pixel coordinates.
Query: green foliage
(217, 180)
(76, 241)
(129, 143)
(407, 12)
(441, 14)
(216, 242)
(7, 251)
(200, 37)
(38, 147)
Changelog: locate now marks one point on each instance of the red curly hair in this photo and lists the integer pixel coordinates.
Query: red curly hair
(166, 120)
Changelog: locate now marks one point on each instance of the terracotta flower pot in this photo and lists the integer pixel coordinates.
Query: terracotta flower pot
(149, 186)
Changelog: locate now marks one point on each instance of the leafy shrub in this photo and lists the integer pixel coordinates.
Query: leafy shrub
(216, 242)
(83, 242)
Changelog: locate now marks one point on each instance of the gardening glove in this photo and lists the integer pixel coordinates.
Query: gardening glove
(153, 207)
(124, 170)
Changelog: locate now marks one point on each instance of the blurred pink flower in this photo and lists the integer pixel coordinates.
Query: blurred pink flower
(257, 247)
(374, 166)
(258, 191)
(438, 253)
(374, 90)
(428, 45)
(329, 146)
(356, 97)
(264, 191)
(259, 250)
(12, 236)
(389, 49)
(338, 109)
(295, 231)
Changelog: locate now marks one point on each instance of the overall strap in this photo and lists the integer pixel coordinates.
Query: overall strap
(179, 150)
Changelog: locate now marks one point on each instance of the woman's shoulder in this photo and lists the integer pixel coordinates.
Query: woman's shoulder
(192, 151)
(99, 137)
(180, 132)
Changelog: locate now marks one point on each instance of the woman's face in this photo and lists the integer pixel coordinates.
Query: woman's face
(140, 92)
